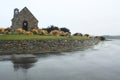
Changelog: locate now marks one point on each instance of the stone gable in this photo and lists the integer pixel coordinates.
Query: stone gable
(24, 19)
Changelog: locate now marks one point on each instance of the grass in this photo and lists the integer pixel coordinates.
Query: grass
(38, 37)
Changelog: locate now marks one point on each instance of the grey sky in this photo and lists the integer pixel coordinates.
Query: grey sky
(95, 17)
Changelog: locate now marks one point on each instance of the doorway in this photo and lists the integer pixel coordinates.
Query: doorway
(25, 25)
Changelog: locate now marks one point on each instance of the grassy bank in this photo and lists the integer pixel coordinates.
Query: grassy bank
(38, 37)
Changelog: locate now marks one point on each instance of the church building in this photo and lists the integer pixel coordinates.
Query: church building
(24, 19)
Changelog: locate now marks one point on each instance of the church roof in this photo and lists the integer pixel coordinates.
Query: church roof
(26, 10)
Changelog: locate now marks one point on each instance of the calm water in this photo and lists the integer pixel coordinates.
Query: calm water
(101, 62)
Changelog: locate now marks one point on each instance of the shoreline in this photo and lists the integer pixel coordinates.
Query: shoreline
(44, 46)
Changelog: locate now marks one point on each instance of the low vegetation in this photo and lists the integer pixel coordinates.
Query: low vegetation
(49, 33)
(38, 37)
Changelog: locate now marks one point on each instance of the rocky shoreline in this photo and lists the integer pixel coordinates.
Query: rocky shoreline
(44, 46)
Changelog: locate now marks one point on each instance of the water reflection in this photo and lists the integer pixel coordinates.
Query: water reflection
(23, 61)
(98, 63)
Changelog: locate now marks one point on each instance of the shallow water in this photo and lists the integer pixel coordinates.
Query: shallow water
(100, 62)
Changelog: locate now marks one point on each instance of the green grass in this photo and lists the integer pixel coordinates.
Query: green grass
(38, 37)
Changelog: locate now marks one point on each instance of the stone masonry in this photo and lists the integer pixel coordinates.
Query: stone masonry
(43, 46)
(24, 19)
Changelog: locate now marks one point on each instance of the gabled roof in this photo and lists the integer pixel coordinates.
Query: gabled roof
(26, 10)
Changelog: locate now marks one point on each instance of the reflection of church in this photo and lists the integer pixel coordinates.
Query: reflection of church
(23, 66)
(23, 62)
(24, 19)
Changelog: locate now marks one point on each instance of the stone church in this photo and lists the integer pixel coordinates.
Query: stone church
(24, 19)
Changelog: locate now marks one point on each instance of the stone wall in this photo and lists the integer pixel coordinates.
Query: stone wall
(43, 46)
(24, 15)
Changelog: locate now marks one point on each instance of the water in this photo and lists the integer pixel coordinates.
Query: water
(101, 62)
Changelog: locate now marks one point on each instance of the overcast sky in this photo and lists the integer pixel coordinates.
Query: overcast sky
(95, 17)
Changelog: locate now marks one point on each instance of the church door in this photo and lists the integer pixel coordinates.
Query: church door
(25, 25)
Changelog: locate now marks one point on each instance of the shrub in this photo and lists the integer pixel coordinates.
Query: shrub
(87, 35)
(20, 31)
(5, 30)
(28, 33)
(65, 29)
(100, 37)
(78, 34)
(61, 33)
(35, 31)
(42, 32)
(55, 33)
(65, 33)
(2, 30)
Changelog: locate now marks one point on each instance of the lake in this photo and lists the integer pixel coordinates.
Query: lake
(100, 62)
